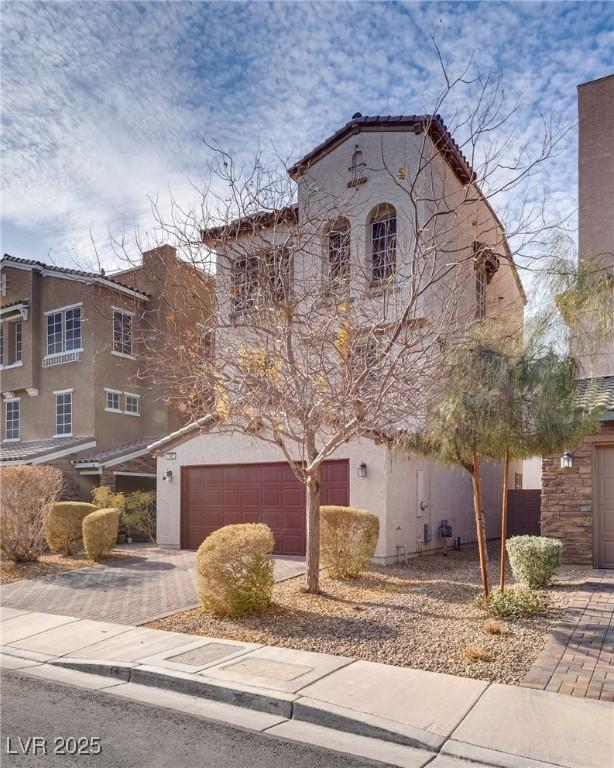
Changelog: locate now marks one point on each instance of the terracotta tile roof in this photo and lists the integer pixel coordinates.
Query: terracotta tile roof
(289, 214)
(95, 276)
(37, 449)
(103, 456)
(597, 392)
(432, 124)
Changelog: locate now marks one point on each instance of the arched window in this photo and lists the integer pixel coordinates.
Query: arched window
(383, 238)
(338, 243)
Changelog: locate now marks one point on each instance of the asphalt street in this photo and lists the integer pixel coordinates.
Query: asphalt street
(113, 733)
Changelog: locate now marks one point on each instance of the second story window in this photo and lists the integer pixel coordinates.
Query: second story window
(113, 400)
(12, 419)
(339, 255)
(132, 404)
(265, 277)
(63, 413)
(17, 341)
(64, 330)
(383, 239)
(122, 332)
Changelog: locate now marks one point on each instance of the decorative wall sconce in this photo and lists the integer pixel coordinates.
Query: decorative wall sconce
(362, 469)
(567, 460)
(169, 475)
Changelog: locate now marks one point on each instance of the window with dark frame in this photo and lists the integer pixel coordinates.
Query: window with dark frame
(122, 332)
(12, 420)
(383, 226)
(339, 256)
(266, 276)
(63, 413)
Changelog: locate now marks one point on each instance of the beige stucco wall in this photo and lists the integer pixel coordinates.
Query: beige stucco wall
(596, 206)
(390, 489)
(98, 367)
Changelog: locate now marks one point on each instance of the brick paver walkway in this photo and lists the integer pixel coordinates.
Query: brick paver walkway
(578, 658)
(152, 583)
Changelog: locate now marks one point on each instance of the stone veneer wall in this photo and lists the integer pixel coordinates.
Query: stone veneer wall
(567, 498)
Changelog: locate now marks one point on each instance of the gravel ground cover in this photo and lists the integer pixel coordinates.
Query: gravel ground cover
(47, 566)
(422, 616)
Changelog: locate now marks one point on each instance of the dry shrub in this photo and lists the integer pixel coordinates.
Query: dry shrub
(473, 653)
(27, 495)
(100, 532)
(63, 530)
(348, 538)
(235, 569)
(140, 512)
(103, 497)
(493, 627)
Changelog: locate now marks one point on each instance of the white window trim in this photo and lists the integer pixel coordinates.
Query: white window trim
(123, 354)
(18, 364)
(123, 311)
(8, 400)
(59, 354)
(57, 392)
(138, 404)
(108, 390)
(62, 310)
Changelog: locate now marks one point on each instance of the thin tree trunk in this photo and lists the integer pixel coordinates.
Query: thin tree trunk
(479, 520)
(312, 576)
(506, 467)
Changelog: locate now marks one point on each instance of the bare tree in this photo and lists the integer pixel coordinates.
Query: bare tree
(330, 325)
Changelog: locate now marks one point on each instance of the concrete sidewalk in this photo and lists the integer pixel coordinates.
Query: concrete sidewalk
(396, 715)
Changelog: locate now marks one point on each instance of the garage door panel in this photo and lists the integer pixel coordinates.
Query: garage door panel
(271, 497)
(214, 496)
(250, 497)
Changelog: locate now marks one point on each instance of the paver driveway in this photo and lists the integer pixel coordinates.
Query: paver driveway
(150, 583)
(579, 656)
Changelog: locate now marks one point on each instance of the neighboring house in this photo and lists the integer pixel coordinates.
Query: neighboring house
(76, 391)
(578, 490)
(207, 479)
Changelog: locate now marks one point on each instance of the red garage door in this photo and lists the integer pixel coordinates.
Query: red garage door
(214, 496)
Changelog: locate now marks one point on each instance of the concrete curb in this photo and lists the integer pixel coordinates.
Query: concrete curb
(286, 705)
(341, 719)
(490, 757)
(275, 703)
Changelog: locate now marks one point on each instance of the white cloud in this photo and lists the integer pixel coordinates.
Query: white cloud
(105, 104)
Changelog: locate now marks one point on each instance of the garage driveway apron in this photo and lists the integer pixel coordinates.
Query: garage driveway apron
(145, 585)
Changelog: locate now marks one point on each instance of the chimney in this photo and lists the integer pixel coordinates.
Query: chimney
(163, 256)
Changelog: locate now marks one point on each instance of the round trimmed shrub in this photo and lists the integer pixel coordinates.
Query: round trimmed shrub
(534, 559)
(235, 569)
(63, 532)
(348, 538)
(100, 532)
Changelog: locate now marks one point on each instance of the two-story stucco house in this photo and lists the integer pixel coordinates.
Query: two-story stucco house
(75, 388)
(578, 489)
(360, 217)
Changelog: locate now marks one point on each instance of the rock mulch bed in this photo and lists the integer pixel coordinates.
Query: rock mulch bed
(423, 616)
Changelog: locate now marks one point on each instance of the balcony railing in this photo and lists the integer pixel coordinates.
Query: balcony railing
(62, 357)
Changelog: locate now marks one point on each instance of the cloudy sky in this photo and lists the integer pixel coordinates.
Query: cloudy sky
(105, 105)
